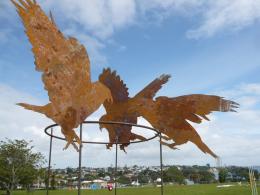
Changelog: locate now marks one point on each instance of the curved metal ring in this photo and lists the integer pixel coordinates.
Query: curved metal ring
(157, 133)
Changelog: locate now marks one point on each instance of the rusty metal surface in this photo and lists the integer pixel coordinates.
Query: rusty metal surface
(123, 108)
(169, 115)
(65, 68)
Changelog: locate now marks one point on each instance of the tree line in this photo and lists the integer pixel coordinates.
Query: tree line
(21, 166)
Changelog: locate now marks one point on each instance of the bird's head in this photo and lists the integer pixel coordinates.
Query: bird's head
(102, 125)
(109, 127)
(102, 92)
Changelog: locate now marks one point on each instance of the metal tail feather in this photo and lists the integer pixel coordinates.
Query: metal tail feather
(203, 147)
(39, 109)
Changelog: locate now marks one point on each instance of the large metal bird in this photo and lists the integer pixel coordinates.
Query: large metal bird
(123, 108)
(65, 68)
(168, 115)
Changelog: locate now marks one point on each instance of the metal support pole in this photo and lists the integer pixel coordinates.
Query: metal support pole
(116, 169)
(49, 166)
(161, 164)
(80, 158)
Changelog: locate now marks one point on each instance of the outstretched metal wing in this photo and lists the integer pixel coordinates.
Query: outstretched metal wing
(170, 116)
(152, 88)
(65, 68)
(63, 61)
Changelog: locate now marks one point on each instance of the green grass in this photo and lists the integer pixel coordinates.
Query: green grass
(169, 190)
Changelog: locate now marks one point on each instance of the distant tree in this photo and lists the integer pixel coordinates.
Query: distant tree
(223, 173)
(69, 170)
(154, 175)
(195, 177)
(173, 174)
(256, 174)
(126, 170)
(206, 176)
(148, 175)
(110, 170)
(90, 177)
(143, 178)
(101, 173)
(53, 181)
(241, 173)
(19, 164)
(124, 180)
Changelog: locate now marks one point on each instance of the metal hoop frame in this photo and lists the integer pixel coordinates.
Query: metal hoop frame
(50, 127)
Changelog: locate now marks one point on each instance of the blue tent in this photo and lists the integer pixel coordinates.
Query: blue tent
(94, 186)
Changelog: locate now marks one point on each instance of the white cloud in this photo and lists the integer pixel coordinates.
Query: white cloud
(233, 136)
(4, 35)
(105, 17)
(15, 121)
(253, 88)
(93, 46)
(5, 18)
(18, 123)
(226, 15)
(5, 9)
(174, 6)
(101, 17)
(211, 16)
(99, 20)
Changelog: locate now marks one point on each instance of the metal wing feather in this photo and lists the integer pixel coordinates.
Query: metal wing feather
(192, 106)
(117, 111)
(65, 68)
(117, 87)
(123, 108)
(63, 61)
(152, 88)
(170, 115)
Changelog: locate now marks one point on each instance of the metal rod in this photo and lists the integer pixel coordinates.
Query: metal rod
(161, 164)
(108, 122)
(80, 159)
(49, 166)
(116, 163)
(115, 175)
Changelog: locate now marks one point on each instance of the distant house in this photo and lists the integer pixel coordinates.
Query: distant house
(100, 183)
(107, 178)
(229, 176)
(188, 182)
(135, 183)
(86, 184)
(38, 184)
(158, 182)
(215, 171)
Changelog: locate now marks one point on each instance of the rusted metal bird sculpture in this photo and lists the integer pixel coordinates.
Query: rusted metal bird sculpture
(122, 109)
(168, 115)
(65, 68)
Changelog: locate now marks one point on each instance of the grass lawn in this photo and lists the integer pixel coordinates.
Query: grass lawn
(169, 190)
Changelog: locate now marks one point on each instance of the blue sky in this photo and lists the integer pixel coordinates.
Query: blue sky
(209, 47)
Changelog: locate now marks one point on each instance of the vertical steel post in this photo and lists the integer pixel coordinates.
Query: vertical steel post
(49, 166)
(80, 158)
(161, 164)
(116, 168)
